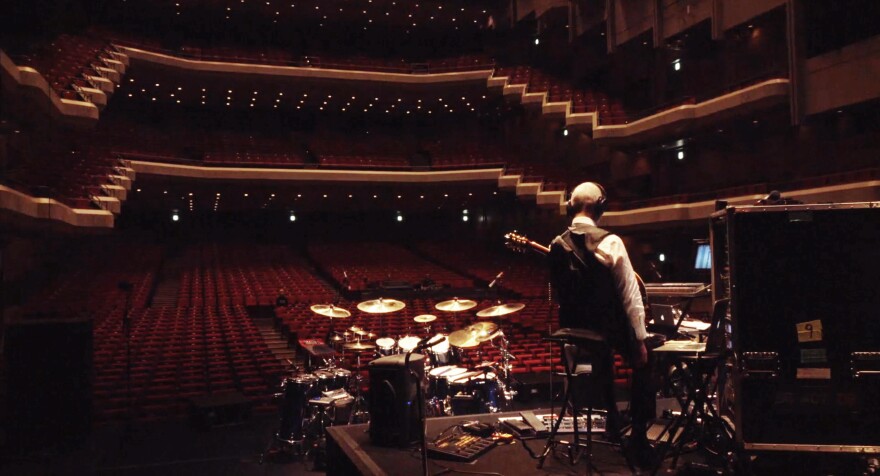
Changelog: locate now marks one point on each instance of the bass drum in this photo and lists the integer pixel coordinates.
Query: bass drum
(438, 380)
(296, 391)
(474, 392)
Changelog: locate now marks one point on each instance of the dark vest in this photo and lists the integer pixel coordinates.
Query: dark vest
(585, 290)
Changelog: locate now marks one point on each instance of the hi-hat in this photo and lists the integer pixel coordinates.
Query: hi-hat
(473, 335)
(500, 310)
(331, 311)
(359, 346)
(381, 306)
(455, 305)
(425, 318)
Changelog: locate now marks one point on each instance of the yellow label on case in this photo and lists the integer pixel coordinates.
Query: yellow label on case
(809, 331)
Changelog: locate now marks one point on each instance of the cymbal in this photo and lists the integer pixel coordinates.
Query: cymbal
(455, 305)
(463, 339)
(331, 311)
(425, 318)
(359, 346)
(473, 335)
(381, 306)
(483, 328)
(500, 310)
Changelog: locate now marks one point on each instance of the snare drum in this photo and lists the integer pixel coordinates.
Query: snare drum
(386, 346)
(295, 391)
(408, 343)
(438, 380)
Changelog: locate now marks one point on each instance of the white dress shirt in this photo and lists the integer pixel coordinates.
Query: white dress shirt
(612, 253)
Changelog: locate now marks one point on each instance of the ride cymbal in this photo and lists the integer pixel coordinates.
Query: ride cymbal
(329, 310)
(455, 305)
(500, 310)
(381, 306)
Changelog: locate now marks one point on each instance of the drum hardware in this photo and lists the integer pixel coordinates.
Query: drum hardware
(334, 313)
(359, 413)
(498, 311)
(425, 319)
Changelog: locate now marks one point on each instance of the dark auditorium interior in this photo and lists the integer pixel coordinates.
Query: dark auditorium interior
(270, 237)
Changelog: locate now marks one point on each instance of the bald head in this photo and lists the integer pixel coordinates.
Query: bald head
(584, 199)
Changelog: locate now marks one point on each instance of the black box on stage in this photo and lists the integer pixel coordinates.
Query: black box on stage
(805, 307)
(394, 417)
(50, 374)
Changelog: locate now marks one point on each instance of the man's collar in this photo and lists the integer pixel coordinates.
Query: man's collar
(582, 220)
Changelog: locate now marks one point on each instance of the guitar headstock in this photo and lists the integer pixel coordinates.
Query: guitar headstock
(516, 242)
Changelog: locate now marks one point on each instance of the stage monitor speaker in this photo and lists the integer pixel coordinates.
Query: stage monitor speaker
(804, 300)
(49, 364)
(394, 418)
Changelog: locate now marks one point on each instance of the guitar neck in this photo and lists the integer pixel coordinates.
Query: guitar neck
(539, 247)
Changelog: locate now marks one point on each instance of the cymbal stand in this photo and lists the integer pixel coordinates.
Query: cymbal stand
(504, 375)
(359, 414)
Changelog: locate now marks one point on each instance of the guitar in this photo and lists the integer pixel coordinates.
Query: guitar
(521, 243)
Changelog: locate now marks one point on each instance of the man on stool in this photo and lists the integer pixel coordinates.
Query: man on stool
(596, 289)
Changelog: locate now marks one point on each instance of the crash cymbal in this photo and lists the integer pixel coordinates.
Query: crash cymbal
(381, 306)
(331, 311)
(463, 339)
(455, 305)
(359, 346)
(500, 310)
(425, 318)
(473, 335)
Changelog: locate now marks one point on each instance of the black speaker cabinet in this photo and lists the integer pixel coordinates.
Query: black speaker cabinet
(50, 372)
(394, 418)
(805, 305)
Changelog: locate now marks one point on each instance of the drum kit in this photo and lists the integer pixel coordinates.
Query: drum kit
(327, 394)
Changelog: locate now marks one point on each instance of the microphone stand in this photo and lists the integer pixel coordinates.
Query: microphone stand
(420, 403)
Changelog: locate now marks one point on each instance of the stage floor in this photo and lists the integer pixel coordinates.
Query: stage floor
(171, 448)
